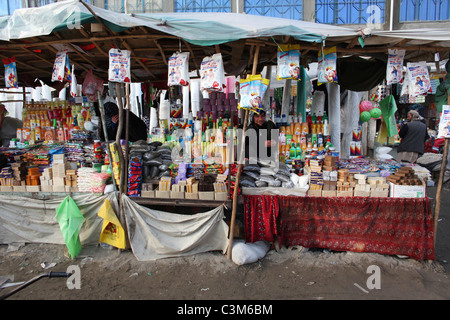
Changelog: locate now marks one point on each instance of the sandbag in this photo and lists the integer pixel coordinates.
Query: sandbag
(244, 253)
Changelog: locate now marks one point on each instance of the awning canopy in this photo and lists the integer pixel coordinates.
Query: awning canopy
(33, 36)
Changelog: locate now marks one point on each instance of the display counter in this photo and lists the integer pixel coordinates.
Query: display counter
(392, 226)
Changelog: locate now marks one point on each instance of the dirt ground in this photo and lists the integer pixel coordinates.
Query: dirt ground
(289, 274)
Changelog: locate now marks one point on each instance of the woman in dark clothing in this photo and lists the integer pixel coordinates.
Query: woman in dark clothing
(413, 135)
(137, 129)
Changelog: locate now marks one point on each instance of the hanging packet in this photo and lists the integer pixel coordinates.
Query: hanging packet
(252, 90)
(212, 73)
(394, 68)
(59, 66)
(119, 66)
(10, 73)
(73, 83)
(288, 62)
(327, 71)
(178, 69)
(418, 78)
(67, 71)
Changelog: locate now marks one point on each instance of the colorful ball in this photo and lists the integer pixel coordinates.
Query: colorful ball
(375, 113)
(365, 116)
(365, 105)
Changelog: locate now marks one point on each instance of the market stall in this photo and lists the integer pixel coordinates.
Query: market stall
(195, 151)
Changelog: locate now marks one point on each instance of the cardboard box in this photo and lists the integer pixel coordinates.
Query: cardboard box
(162, 194)
(176, 195)
(191, 195)
(6, 188)
(33, 188)
(220, 196)
(360, 193)
(348, 193)
(46, 188)
(379, 194)
(59, 188)
(147, 193)
(315, 193)
(20, 189)
(206, 195)
(400, 191)
(328, 193)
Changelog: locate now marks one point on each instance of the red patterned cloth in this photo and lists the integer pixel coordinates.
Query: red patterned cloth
(260, 215)
(394, 226)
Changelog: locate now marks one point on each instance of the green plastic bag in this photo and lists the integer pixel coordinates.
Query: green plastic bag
(388, 108)
(70, 221)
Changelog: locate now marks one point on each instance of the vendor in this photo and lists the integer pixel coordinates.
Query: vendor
(263, 150)
(413, 135)
(137, 129)
(8, 127)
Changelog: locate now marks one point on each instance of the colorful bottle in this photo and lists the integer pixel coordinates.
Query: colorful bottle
(292, 151)
(326, 129)
(298, 151)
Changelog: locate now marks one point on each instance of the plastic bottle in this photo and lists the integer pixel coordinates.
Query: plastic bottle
(305, 128)
(38, 134)
(298, 151)
(32, 138)
(292, 151)
(326, 129)
(60, 134)
(320, 139)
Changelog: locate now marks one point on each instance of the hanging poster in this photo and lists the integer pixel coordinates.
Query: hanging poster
(59, 66)
(178, 69)
(444, 122)
(119, 66)
(10, 73)
(418, 78)
(394, 68)
(327, 71)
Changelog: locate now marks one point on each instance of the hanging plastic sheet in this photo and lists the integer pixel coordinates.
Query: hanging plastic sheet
(156, 234)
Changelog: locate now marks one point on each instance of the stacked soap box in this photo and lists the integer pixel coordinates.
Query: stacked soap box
(47, 180)
(59, 167)
(329, 176)
(378, 187)
(345, 183)
(191, 188)
(362, 188)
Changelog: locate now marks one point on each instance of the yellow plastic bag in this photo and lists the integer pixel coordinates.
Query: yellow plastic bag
(112, 231)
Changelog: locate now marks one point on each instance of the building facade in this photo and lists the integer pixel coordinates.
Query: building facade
(383, 14)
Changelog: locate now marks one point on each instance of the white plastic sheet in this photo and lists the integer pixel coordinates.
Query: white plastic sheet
(153, 234)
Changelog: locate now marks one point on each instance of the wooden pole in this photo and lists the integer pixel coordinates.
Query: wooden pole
(105, 133)
(437, 206)
(127, 121)
(240, 165)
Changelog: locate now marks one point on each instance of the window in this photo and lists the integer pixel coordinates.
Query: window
(424, 10)
(289, 9)
(350, 11)
(202, 6)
